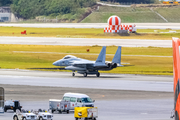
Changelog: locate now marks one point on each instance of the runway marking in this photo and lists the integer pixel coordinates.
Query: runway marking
(88, 54)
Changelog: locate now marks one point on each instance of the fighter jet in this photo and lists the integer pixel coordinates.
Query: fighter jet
(85, 67)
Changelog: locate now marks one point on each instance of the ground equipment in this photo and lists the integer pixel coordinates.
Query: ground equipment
(12, 105)
(54, 105)
(65, 106)
(70, 101)
(24, 115)
(44, 115)
(59, 105)
(86, 113)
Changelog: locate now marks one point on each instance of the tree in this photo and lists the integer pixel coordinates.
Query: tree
(5, 2)
(32, 8)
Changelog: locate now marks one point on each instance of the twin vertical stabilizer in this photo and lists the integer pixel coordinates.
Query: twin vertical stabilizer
(102, 56)
(117, 56)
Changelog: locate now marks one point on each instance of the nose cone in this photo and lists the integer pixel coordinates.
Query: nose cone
(56, 63)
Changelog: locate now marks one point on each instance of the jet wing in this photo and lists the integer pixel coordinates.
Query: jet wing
(82, 65)
(83, 62)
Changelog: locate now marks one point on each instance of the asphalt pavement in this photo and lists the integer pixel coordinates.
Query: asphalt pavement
(105, 81)
(85, 41)
(154, 109)
(131, 108)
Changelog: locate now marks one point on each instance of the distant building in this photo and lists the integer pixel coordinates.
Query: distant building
(5, 14)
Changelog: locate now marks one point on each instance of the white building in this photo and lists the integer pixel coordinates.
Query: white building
(5, 14)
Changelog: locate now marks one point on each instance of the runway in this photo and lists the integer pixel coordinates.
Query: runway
(106, 81)
(174, 26)
(118, 96)
(85, 41)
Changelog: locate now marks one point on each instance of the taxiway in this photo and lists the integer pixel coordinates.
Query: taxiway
(85, 41)
(118, 96)
(174, 26)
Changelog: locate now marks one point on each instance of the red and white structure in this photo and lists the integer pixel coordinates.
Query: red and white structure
(116, 27)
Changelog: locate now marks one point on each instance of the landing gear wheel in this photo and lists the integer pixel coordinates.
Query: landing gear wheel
(5, 110)
(73, 74)
(24, 118)
(60, 111)
(40, 118)
(85, 74)
(52, 111)
(67, 111)
(15, 118)
(98, 74)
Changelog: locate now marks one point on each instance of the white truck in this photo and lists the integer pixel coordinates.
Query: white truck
(44, 115)
(12, 105)
(74, 99)
(24, 115)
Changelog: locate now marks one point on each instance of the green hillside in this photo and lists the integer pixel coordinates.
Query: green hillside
(133, 15)
(172, 14)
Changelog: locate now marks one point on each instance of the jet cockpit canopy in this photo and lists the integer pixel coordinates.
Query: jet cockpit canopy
(69, 56)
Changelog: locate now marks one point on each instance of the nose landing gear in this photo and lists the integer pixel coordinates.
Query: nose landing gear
(73, 74)
(98, 74)
(85, 74)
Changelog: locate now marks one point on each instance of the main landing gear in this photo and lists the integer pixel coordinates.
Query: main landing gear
(98, 74)
(85, 74)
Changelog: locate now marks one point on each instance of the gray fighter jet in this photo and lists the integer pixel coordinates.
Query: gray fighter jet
(86, 67)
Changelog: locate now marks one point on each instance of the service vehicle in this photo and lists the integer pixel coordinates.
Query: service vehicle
(78, 100)
(44, 115)
(24, 115)
(12, 105)
(59, 105)
(85, 113)
(70, 101)
(54, 105)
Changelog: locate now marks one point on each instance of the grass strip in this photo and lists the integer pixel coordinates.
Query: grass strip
(138, 64)
(85, 33)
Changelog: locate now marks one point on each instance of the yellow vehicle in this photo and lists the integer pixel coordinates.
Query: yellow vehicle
(171, 2)
(86, 113)
(168, 2)
(176, 3)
